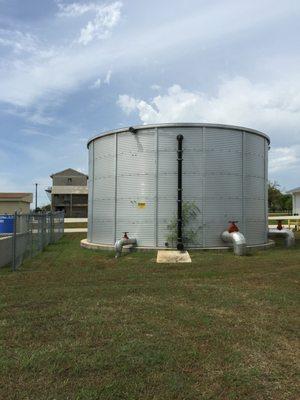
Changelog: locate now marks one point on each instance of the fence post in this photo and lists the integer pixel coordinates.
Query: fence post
(14, 243)
(62, 223)
(40, 231)
(52, 227)
(30, 231)
(43, 230)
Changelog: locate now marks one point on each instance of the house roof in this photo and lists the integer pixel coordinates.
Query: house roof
(26, 197)
(12, 195)
(68, 172)
(296, 190)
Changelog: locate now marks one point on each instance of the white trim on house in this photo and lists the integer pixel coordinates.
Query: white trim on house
(296, 199)
(69, 190)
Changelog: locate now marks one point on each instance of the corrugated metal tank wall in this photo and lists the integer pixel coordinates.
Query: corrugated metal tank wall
(133, 183)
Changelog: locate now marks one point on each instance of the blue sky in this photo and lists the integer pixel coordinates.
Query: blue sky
(69, 70)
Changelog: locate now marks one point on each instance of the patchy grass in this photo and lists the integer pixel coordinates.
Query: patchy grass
(79, 324)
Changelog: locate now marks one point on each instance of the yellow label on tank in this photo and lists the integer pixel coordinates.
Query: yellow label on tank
(141, 205)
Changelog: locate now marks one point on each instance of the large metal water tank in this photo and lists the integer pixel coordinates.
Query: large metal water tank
(133, 183)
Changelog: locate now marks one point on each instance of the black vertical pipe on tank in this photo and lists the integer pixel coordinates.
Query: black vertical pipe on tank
(180, 245)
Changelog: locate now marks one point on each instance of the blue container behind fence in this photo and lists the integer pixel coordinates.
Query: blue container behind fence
(6, 224)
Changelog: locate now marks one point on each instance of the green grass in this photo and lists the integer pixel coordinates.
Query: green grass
(78, 324)
(75, 224)
(284, 222)
(280, 213)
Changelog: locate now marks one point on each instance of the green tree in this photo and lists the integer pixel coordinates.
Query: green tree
(278, 201)
(286, 202)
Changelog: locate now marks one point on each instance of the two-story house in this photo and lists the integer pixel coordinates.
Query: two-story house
(69, 192)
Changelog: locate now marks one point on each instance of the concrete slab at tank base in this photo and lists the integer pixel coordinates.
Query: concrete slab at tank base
(97, 246)
(173, 256)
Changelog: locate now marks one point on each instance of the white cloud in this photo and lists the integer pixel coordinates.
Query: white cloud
(104, 17)
(34, 132)
(81, 169)
(36, 116)
(26, 82)
(284, 158)
(273, 108)
(75, 9)
(18, 41)
(127, 103)
(39, 118)
(49, 71)
(23, 44)
(155, 87)
(96, 84)
(108, 77)
(50, 74)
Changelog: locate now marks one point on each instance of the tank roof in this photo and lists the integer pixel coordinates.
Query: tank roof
(178, 124)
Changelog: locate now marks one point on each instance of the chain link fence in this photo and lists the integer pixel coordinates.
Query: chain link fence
(31, 234)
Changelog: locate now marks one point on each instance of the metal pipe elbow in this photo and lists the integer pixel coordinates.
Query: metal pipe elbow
(237, 240)
(287, 234)
(123, 242)
(290, 238)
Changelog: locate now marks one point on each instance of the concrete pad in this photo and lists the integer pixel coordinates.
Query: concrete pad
(74, 230)
(72, 220)
(173, 256)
